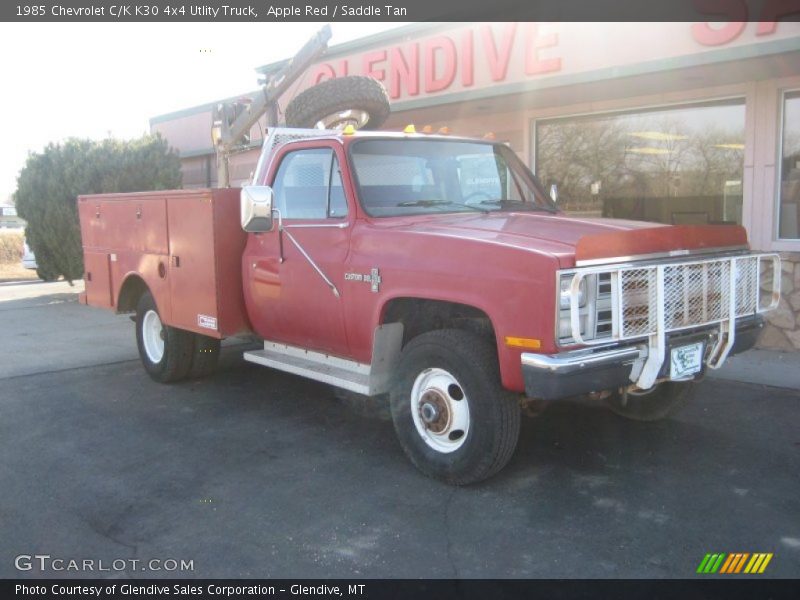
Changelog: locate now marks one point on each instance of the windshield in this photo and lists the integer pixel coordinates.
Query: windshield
(412, 176)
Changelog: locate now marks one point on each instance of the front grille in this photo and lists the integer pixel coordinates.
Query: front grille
(603, 325)
(628, 300)
(695, 294)
(638, 300)
(603, 315)
(604, 284)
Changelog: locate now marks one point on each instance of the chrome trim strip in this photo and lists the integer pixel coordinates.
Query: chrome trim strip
(569, 363)
(311, 262)
(680, 254)
(341, 225)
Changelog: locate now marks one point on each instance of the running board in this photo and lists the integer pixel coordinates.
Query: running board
(361, 378)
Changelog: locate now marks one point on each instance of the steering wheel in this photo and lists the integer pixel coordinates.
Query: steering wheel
(486, 195)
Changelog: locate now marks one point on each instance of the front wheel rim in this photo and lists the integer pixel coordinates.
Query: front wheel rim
(440, 410)
(153, 336)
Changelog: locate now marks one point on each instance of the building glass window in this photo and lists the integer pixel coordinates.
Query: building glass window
(789, 211)
(675, 165)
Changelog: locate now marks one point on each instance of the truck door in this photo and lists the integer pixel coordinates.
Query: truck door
(297, 274)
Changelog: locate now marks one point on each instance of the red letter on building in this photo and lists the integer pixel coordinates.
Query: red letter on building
(369, 60)
(467, 59)
(734, 10)
(444, 47)
(404, 72)
(534, 43)
(498, 60)
(772, 12)
(322, 72)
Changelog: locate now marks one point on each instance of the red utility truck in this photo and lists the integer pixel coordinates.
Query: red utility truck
(433, 271)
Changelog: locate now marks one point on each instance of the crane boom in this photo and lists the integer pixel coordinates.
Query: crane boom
(228, 128)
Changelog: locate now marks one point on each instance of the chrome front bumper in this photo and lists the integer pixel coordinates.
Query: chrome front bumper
(554, 376)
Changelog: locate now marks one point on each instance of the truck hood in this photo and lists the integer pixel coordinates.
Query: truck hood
(569, 238)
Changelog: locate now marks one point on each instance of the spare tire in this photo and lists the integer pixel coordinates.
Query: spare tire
(333, 104)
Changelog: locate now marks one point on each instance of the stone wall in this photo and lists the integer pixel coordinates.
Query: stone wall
(782, 331)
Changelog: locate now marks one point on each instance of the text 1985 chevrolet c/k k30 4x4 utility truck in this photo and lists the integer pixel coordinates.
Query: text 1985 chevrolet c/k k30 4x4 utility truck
(431, 270)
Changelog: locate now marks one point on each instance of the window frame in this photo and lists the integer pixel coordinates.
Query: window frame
(286, 153)
(777, 200)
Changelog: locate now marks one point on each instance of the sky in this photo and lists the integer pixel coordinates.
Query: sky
(93, 80)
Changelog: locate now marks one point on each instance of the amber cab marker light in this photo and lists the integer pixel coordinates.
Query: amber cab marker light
(427, 129)
(410, 129)
(444, 130)
(519, 342)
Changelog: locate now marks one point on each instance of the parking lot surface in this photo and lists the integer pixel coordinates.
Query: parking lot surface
(256, 473)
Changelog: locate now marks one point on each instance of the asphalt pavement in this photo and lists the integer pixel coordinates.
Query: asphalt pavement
(256, 473)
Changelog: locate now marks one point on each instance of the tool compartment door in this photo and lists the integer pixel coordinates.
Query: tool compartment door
(191, 271)
(97, 276)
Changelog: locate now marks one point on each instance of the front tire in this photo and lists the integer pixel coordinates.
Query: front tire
(452, 417)
(165, 352)
(658, 403)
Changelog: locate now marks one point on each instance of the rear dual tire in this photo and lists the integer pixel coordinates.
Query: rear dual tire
(169, 354)
(205, 356)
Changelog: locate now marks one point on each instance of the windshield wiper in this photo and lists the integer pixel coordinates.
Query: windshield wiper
(430, 203)
(505, 203)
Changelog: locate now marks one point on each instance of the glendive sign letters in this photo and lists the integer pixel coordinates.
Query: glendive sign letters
(462, 58)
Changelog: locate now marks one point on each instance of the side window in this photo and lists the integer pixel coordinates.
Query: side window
(308, 185)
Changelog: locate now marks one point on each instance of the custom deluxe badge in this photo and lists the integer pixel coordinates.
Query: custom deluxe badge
(373, 277)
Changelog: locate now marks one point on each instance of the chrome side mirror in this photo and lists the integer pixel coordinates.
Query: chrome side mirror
(256, 208)
(554, 192)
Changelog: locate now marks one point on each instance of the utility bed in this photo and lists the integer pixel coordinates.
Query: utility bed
(184, 245)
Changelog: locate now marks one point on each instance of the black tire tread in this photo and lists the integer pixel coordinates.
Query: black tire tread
(178, 347)
(205, 356)
(481, 357)
(342, 93)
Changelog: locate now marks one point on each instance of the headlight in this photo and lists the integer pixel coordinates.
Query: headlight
(566, 284)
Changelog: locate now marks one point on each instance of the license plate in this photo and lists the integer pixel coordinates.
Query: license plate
(686, 361)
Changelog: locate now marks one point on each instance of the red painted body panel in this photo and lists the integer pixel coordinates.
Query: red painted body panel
(229, 244)
(185, 244)
(146, 266)
(656, 239)
(516, 289)
(288, 301)
(131, 221)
